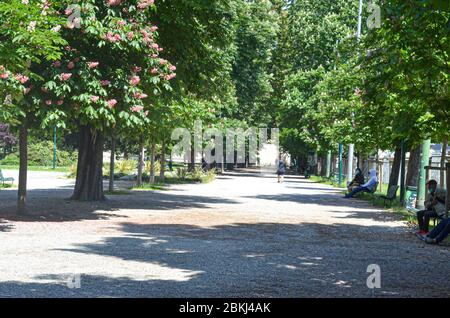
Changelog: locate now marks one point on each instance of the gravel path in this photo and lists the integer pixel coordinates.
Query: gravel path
(243, 235)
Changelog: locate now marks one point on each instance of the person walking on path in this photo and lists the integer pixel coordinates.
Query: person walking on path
(281, 169)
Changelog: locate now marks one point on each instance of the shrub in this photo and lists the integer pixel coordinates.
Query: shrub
(182, 173)
(125, 167)
(41, 154)
(148, 165)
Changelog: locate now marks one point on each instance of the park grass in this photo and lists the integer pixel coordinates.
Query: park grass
(36, 168)
(150, 187)
(118, 192)
(8, 186)
(329, 181)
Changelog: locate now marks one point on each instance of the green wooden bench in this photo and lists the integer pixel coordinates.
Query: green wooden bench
(3, 179)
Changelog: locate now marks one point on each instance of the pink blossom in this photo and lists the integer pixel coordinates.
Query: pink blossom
(162, 61)
(173, 68)
(92, 64)
(4, 75)
(111, 103)
(140, 95)
(113, 2)
(94, 98)
(68, 11)
(130, 35)
(121, 22)
(137, 69)
(105, 83)
(144, 4)
(111, 37)
(71, 65)
(170, 76)
(57, 64)
(65, 76)
(154, 28)
(154, 71)
(60, 102)
(154, 56)
(155, 46)
(21, 78)
(135, 80)
(137, 108)
(48, 102)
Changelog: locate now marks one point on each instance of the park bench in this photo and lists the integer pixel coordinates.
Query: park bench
(3, 179)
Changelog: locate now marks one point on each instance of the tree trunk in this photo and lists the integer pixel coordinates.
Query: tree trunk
(141, 163)
(443, 159)
(23, 168)
(192, 163)
(112, 162)
(89, 183)
(395, 170)
(163, 161)
(412, 176)
(152, 164)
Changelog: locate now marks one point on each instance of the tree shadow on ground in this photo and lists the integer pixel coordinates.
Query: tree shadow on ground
(55, 205)
(249, 260)
(329, 198)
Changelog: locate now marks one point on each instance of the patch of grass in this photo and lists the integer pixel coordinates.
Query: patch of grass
(7, 186)
(118, 192)
(37, 168)
(150, 187)
(329, 181)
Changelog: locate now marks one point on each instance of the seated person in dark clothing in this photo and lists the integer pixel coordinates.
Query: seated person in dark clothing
(357, 181)
(369, 186)
(434, 207)
(439, 233)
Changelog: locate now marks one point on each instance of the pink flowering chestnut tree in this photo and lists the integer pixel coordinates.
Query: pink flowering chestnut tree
(109, 73)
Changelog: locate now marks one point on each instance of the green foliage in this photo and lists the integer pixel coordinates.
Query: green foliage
(41, 154)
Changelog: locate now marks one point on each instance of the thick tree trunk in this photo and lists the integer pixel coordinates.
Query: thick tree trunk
(23, 168)
(141, 163)
(395, 170)
(412, 177)
(152, 163)
(89, 183)
(443, 159)
(112, 162)
(163, 161)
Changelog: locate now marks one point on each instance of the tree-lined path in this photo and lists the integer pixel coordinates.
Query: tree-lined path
(242, 235)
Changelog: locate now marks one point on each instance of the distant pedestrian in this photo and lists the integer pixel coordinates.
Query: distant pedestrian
(281, 169)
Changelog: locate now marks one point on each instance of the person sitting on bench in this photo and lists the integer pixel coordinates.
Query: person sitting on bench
(434, 207)
(439, 233)
(357, 181)
(369, 186)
